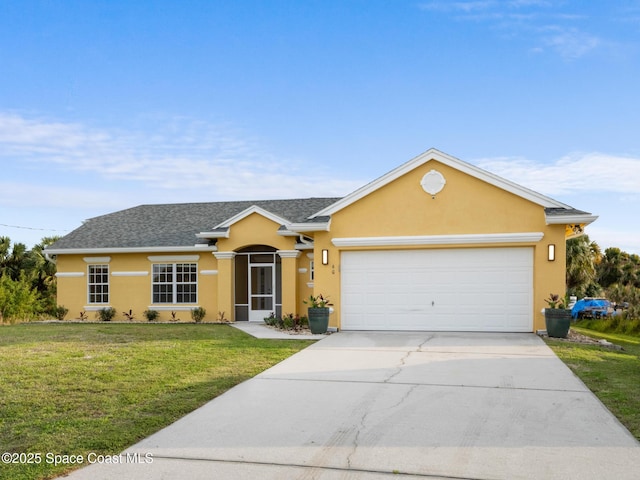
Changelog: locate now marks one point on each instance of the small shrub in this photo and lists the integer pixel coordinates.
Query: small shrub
(151, 315)
(18, 301)
(221, 318)
(271, 320)
(106, 314)
(129, 315)
(60, 312)
(174, 317)
(197, 314)
(288, 322)
(83, 316)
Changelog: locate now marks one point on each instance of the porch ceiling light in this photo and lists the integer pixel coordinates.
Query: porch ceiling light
(551, 252)
(325, 257)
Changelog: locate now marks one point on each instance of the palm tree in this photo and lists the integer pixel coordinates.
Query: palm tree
(12, 260)
(43, 272)
(582, 258)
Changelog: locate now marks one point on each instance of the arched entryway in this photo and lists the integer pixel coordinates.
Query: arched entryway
(258, 292)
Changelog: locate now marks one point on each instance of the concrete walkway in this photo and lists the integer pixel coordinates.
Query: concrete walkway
(261, 330)
(395, 405)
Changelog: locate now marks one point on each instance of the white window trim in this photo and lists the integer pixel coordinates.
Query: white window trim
(96, 307)
(173, 258)
(174, 285)
(178, 307)
(89, 302)
(97, 259)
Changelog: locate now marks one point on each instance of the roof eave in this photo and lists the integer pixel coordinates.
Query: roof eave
(216, 234)
(569, 219)
(89, 251)
(434, 154)
(248, 211)
(309, 227)
(285, 232)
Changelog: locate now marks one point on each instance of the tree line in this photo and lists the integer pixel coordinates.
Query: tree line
(28, 282)
(612, 274)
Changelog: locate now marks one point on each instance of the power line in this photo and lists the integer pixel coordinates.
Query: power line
(32, 228)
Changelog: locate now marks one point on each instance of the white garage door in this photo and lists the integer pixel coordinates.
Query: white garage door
(466, 289)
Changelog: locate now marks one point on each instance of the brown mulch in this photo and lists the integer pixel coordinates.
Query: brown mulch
(575, 337)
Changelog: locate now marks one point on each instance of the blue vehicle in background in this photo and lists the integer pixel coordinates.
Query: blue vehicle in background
(592, 308)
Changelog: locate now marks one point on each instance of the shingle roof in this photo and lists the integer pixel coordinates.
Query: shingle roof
(175, 225)
(556, 212)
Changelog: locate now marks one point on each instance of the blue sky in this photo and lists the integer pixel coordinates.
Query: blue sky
(105, 105)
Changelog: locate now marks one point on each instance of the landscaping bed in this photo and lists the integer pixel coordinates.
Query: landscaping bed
(576, 337)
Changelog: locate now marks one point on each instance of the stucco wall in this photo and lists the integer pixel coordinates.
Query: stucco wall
(130, 280)
(466, 205)
(215, 276)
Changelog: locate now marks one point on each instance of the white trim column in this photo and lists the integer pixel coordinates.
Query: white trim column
(289, 280)
(226, 283)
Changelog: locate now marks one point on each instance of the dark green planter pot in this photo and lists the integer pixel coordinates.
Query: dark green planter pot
(558, 321)
(318, 319)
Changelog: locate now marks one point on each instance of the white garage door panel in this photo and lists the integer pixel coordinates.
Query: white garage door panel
(475, 289)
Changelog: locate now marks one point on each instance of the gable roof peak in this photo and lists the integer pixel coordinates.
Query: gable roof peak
(453, 162)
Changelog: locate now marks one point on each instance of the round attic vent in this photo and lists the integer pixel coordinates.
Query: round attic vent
(433, 182)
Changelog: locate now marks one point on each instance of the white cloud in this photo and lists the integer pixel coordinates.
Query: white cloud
(580, 172)
(194, 157)
(611, 237)
(467, 7)
(548, 25)
(570, 43)
(607, 185)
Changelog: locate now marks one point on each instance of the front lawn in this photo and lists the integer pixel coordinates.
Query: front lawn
(73, 389)
(613, 376)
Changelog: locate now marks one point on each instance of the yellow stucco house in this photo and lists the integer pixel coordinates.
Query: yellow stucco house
(436, 244)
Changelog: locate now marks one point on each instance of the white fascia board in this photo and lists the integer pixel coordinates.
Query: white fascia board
(253, 209)
(220, 234)
(570, 219)
(525, 237)
(95, 251)
(212, 248)
(287, 233)
(433, 154)
(309, 227)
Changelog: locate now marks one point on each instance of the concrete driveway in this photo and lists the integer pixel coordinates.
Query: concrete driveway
(396, 405)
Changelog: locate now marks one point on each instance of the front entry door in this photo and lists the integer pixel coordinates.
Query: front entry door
(261, 290)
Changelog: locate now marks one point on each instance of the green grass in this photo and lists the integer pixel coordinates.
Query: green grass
(613, 324)
(75, 389)
(614, 376)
